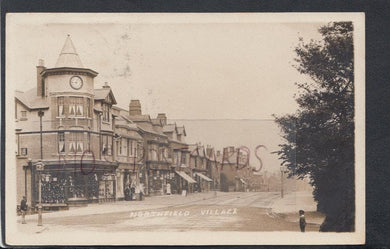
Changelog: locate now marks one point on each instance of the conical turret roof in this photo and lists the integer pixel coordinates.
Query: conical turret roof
(68, 56)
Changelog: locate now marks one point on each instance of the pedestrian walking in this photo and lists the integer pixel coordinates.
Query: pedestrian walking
(127, 194)
(132, 193)
(23, 209)
(141, 191)
(302, 220)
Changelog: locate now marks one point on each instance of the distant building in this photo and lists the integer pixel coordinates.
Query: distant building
(236, 173)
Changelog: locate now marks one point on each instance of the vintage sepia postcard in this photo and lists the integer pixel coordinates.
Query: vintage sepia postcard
(185, 129)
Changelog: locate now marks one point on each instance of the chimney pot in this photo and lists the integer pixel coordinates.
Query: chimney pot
(41, 63)
(106, 85)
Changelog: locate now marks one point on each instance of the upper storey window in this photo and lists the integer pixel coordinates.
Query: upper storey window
(73, 107)
(61, 111)
(106, 113)
(88, 109)
(76, 106)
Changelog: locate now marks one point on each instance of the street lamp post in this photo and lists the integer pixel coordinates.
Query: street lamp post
(40, 114)
(39, 167)
(215, 187)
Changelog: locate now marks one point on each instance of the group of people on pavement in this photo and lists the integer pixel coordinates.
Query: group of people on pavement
(134, 192)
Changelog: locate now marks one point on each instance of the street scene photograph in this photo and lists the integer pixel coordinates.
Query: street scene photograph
(144, 128)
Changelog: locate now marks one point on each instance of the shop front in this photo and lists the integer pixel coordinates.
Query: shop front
(186, 183)
(71, 184)
(128, 178)
(158, 180)
(203, 182)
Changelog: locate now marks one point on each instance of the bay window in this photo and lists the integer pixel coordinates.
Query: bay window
(73, 107)
(79, 101)
(60, 104)
(106, 145)
(76, 142)
(61, 142)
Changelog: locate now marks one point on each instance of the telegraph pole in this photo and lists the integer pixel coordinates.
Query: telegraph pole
(281, 180)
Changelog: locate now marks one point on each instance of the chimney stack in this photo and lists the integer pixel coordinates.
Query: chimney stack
(162, 117)
(106, 85)
(209, 151)
(135, 107)
(40, 81)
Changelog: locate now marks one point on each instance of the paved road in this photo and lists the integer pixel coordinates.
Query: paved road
(196, 212)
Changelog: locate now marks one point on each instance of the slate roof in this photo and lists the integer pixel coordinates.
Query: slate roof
(140, 118)
(196, 150)
(169, 128)
(156, 121)
(68, 56)
(102, 93)
(181, 130)
(31, 100)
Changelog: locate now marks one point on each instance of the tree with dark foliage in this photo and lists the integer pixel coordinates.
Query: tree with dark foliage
(320, 135)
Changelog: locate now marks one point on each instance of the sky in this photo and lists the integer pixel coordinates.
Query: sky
(223, 78)
(189, 70)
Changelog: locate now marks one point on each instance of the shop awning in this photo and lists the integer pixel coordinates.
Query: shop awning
(185, 177)
(243, 181)
(204, 177)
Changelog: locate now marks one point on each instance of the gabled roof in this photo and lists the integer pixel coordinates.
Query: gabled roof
(31, 100)
(148, 130)
(181, 130)
(68, 56)
(156, 121)
(193, 149)
(140, 118)
(127, 119)
(105, 94)
(169, 128)
(219, 157)
(196, 150)
(201, 151)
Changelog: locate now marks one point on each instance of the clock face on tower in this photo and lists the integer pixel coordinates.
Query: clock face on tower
(76, 82)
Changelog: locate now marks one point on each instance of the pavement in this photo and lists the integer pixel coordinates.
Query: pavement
(256, 211)
(289, 206)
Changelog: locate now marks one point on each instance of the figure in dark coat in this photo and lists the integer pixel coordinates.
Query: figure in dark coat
(302, 220)
(23, 209)
(127, 194)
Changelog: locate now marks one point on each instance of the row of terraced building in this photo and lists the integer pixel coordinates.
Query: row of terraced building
(93, 151)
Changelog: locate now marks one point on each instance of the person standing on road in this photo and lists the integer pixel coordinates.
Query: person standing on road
(302, 220)
(23, 208)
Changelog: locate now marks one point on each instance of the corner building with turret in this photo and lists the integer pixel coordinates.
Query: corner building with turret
(76, 124)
